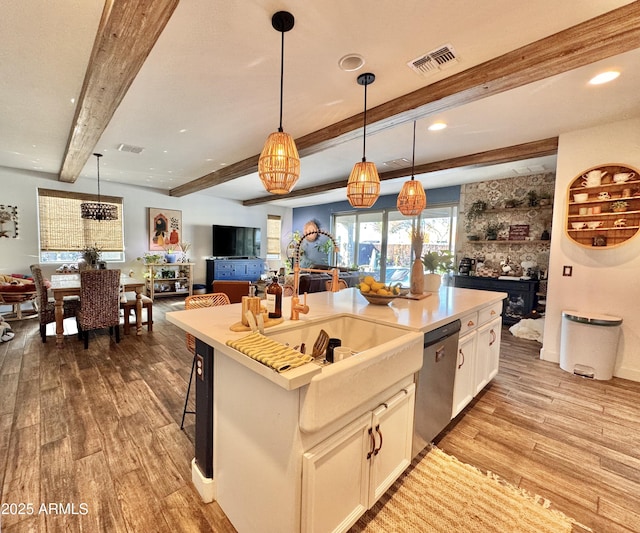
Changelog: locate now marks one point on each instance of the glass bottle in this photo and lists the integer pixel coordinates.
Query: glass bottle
(274, 299)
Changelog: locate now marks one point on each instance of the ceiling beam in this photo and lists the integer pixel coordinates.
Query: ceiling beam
(517, 152)
(126, 34)
(613, 33)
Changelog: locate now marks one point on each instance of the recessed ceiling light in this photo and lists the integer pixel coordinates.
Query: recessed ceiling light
(604, 77)
(351, 62)
(182, 130)
(437, 126)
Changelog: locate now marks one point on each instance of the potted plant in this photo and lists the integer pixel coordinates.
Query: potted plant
(150, 259)
(475, 210)
(544, 199)
(171, 255)
(91, 255)
(491, 230)
(619, 206)
(436, 263)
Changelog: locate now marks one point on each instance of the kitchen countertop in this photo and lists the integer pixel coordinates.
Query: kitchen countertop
(211, 325)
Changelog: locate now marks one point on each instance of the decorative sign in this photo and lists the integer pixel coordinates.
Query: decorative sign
(519, 232)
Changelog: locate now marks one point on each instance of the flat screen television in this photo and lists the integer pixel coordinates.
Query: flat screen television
(235, 241)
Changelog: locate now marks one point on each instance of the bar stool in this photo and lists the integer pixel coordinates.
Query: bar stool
(196, 302)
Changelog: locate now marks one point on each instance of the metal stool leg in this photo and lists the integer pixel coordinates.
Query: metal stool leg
(186, 400)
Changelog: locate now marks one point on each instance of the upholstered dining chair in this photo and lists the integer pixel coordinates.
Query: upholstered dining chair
(99, 302)
(199, 301)
(46, 306)
(235, 290)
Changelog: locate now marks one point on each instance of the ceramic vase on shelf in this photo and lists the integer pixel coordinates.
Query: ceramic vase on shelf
(417, 277)
(170, 258)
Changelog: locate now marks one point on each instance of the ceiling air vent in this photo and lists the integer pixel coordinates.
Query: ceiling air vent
(437, 59)
(130, 148)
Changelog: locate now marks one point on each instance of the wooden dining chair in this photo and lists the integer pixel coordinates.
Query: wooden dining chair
(342, 284)
(199, 301)
(46, 306)
(128, 305)
(99, 302)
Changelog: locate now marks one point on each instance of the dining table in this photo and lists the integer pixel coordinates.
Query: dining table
(69, 285)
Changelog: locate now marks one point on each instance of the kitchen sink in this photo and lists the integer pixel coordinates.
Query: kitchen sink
(384, 355)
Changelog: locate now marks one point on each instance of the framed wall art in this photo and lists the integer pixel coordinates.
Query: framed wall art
(8, 221)
(165, 229)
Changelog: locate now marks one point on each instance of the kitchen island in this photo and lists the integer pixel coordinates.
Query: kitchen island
(302, 450)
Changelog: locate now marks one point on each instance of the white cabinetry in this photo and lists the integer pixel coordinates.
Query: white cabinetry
(464, 385)
(487, 353)
(344, 475)
(478, 354)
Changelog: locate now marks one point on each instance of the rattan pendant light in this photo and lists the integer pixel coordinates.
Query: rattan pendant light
(98, 210)
(279, 163)
(412, 198)
(363, 187)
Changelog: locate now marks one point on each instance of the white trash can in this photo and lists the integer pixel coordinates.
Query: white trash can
(589, 344)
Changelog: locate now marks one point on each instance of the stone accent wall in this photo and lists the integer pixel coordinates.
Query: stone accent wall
(496, 193)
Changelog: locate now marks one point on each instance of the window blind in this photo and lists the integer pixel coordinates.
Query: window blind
(63, 229)
(273, 235)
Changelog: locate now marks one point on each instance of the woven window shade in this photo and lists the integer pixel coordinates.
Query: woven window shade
(363, 187)
(63, 229)
(273, 234)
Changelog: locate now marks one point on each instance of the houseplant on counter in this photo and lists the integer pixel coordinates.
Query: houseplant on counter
(436, 263)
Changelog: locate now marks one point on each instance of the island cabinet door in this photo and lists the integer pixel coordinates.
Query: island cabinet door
(344, 475)
(464, 387)
(393, 431)
(488, 353)
(335, 479)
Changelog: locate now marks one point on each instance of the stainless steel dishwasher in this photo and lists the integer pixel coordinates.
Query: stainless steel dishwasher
(434, 384)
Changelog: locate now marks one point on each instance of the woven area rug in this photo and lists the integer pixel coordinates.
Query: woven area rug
(440, 494)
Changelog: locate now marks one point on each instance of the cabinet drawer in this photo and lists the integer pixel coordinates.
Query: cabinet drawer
(225, 266)
(224, 275)
(468, 322)
(489, 313)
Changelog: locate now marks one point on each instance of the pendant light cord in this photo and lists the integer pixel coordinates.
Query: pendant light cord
(281, 78)
(413, 159)
(98, 156)
(364, 127)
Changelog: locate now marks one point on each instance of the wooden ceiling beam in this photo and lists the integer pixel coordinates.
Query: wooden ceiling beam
(517, 152)
(126, 34)
(613, 33)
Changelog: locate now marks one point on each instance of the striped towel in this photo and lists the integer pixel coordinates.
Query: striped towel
(269, 352)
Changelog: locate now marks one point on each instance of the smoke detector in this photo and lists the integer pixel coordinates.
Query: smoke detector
(438, 59)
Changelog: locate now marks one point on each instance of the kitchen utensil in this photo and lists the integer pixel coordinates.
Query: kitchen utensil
(251, 321)
(320, 346)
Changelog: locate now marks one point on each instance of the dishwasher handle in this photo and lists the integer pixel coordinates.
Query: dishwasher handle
(443, 332)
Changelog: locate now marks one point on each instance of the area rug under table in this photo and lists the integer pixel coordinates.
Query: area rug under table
(440, 494)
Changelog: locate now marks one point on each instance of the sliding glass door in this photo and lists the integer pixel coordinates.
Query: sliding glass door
(379, 242)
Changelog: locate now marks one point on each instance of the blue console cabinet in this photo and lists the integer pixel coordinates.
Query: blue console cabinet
(234, 269)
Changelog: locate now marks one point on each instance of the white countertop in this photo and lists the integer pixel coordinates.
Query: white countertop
(211, 325)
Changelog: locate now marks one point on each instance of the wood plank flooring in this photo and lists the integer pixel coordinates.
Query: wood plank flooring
(94, 435)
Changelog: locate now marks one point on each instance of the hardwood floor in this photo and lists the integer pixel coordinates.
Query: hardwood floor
(95, 435)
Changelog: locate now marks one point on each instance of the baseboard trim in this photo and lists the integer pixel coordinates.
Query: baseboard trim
(205, 486)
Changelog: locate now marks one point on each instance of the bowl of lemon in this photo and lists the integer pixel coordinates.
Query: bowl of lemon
(377, 292)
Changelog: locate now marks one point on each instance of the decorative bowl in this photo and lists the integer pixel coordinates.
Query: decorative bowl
(379, 299)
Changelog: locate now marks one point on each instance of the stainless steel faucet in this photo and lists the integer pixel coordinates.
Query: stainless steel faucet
(296, 306)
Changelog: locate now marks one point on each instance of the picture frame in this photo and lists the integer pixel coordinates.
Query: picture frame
(165, 229)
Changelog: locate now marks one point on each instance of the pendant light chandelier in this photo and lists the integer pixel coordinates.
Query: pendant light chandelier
(363, 187)
(279, 163)
(412, 198)
(98, 210)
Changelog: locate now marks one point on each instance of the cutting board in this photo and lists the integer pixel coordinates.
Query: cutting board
(411, 296)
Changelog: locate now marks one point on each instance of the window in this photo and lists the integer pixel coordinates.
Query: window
(274, 226)
(64, 233)
(379, 242)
